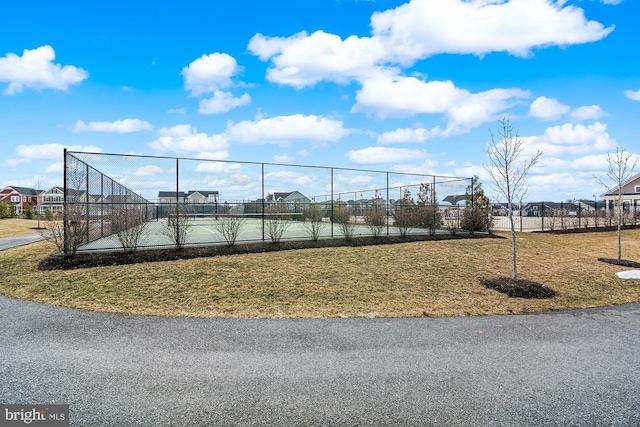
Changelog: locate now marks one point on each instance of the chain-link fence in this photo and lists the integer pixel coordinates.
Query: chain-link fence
(115, 201)
(553, 216)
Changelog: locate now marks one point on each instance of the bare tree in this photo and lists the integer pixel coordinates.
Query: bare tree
(276, 221)
(342, 215)
(230, 224)
(130, 225)
(179, 226)
(507, 176)
(313, 221)
(621, 167)
(375, 217)
(54, 232)
(68, 233)
(405, 215)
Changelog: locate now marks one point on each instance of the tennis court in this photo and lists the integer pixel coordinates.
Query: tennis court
(205, 231)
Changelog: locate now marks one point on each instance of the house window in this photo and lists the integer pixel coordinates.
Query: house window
(637, 189)
(15, 199)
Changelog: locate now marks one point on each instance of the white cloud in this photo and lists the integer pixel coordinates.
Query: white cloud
(148, 170)
(303, 60)
(590, 163)
(118, 126)
(14, 163)
(177, 111)
(51, 151)
(588, 112)
(237, 184)
(282, 158)
(405, 135)
(373, 155)
(398, 96)
(216, 167)
(422, 28)
(285, 129)
(185, 138)
(635, 96)
(56, 167)
(426, 167)
(570, 139)
(395, 96)
(548, 108)
(354, 180)
(611, 1)
(289, 177)
(209, 73)
(222, 102)
(35, 69)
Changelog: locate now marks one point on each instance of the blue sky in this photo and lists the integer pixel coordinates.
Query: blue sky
(407, 86)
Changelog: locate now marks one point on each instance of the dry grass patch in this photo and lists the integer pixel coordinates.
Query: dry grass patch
(17, 226)
(437, 278)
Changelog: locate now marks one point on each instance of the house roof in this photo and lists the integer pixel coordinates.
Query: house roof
(614, 191)
(170, 194)
(25, 191)
(205, 193)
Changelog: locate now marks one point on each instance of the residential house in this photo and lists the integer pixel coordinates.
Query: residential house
(21, 198)
(53, 200)
(294, 200)
(630, 194)
(199, 201)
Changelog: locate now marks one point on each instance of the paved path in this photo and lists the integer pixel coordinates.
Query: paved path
(578, 368)
(24, 239)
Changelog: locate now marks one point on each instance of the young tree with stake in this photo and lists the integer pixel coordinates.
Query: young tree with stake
(620, 171)
(507, 175)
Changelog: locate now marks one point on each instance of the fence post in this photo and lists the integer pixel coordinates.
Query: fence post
(542, 214)
(102, 205)
(87, 199)
(65, 206)
(331, 203)
(388, 205)
(177, 230)
(263, 201)
(579, 215)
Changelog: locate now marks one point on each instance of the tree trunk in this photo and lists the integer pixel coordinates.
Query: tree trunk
(513, 242)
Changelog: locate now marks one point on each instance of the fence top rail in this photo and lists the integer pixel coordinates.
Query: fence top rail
(71, 154)
(450, 178)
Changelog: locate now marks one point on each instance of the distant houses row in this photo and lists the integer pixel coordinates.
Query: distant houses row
(22, 199)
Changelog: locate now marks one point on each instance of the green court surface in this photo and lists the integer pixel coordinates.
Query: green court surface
(204, 232)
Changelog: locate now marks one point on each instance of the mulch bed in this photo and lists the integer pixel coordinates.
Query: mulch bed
(590, 229)
(102, 259)
(622, 262)
(519, 288)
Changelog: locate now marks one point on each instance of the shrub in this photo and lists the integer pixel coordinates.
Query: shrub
(313, 221)
(342, 216)
(28, 213)
(230, 224)
(276, 221)
(375, 218)
(129, 224)
(5, 210)
(179, 226)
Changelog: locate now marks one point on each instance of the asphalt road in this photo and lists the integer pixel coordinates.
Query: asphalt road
(577, 368)
(24, 239)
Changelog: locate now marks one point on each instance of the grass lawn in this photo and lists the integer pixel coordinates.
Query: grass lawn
(439, 278)
(17, 226)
